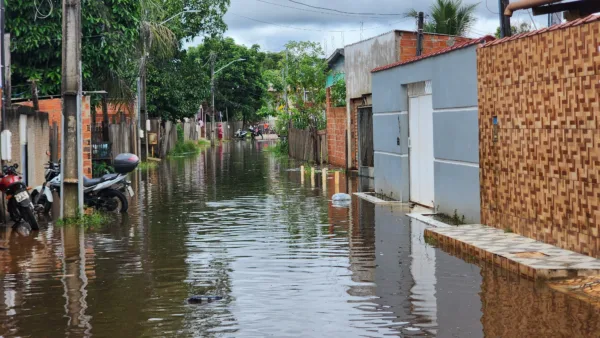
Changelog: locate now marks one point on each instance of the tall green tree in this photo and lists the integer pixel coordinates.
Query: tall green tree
(109, 30)
(239, 88)
(448, 17)
(306, 74)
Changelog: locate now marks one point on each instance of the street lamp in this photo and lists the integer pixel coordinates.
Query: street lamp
(212, 89)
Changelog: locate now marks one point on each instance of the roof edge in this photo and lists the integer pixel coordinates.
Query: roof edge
(458, 46)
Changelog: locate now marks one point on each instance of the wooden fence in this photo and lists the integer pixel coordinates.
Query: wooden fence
(122, 138)
(306, 146)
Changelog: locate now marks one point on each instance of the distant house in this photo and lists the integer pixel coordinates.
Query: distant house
(359, 59)
(425, 130)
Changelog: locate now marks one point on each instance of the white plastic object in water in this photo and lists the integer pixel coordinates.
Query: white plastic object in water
(341, 197)
(6, 137)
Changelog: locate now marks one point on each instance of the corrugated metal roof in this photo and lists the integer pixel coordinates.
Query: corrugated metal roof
(441, 51)
(565, 25)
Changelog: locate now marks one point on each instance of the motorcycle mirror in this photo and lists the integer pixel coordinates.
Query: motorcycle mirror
(15, 166)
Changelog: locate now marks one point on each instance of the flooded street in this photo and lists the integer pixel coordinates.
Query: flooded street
(235, 222)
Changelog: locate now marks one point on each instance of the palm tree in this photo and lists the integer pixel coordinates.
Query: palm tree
(448, 17)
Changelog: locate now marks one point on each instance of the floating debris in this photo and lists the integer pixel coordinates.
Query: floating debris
(203, 299)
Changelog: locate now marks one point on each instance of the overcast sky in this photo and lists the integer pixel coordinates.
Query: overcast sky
(272, 23)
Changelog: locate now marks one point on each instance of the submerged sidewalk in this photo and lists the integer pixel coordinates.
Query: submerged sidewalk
(522, 255)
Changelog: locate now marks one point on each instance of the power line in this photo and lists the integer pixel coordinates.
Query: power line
(344, 12)
(488, 8)
(313, 11)
(310, 29)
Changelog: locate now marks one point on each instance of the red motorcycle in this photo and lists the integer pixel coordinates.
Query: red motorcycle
(19, 203)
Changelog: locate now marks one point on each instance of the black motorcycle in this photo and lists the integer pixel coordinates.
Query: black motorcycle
(255, 132)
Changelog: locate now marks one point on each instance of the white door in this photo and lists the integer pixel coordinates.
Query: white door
(421, 149)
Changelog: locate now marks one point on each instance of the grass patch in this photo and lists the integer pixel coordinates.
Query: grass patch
(185, 148)
(203, 143)
(147, 165)
(451, 220)
(430, 240)
(90, 219)
(279, 149)
(508, 231)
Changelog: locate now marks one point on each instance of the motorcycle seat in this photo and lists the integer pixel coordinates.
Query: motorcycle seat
(88, 182)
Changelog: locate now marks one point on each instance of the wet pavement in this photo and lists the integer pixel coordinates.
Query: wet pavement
(235, 222)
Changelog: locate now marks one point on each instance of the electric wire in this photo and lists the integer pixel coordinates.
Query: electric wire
(344, 12)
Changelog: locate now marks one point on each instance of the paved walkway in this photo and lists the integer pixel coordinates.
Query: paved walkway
(522, 255)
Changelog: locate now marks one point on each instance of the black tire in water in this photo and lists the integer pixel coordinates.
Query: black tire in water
(29, 217)
(36, 198)
(114, 200)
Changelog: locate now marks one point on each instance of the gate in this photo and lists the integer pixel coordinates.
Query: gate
(366, 153)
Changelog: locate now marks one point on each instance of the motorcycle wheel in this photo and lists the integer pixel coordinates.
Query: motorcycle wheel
(36, 199)
(27, 214)
(113, 200)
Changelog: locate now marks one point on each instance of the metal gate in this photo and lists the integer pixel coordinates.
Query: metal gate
(366, 153)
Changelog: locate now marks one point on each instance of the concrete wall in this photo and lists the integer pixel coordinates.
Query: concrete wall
(362, 57)
(53, 107)
(455, 120)
(37, 135)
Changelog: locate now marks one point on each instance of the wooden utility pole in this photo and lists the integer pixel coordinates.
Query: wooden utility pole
(104, 118)
(420, 34)
(505, 28)
(71, 87)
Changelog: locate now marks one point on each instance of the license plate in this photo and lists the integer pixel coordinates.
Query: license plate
(130, 191)
(20, 197)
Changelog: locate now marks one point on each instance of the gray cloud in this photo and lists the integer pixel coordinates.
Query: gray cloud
(273, 25)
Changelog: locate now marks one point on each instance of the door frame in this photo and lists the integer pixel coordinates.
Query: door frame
(416, 90)
(362, 170)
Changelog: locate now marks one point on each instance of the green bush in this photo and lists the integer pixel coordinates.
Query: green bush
(102, 168)
(185, 148)
(279, 149)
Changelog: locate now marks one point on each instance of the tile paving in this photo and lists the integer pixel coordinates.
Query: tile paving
(503, 249)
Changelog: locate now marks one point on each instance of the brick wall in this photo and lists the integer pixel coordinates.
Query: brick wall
(431, 44)
(336, 133)
(114, 112)
(54, 109)
(541, 177)
(354, 104)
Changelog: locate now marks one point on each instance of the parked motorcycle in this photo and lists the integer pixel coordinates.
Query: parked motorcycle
(240, 134)
(106, 193)
(19, 205)
(255, 132)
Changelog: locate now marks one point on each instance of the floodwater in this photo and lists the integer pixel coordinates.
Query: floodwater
(234, 222)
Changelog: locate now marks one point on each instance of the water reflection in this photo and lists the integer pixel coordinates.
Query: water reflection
(237, 223)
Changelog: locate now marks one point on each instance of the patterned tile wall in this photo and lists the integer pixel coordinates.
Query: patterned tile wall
(541, 177)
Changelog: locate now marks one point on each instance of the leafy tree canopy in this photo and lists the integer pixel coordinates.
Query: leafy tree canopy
(110, 39)
(523, 27)
(239, 87)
